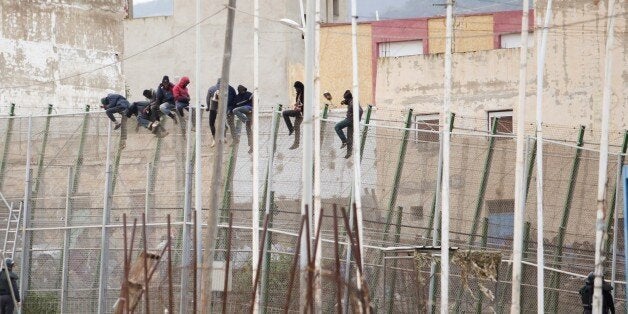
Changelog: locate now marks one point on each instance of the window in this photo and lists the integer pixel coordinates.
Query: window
(149, 8)
(504, 121)
(400, 48)
(514, 40)
(427, 122)
(500, 220)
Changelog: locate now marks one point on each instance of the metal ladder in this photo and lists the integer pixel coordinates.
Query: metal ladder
(12, 228)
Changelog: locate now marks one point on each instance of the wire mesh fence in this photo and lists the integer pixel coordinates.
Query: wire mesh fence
(74, 236)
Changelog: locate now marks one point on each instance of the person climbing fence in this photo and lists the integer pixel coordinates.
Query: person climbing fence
(347, 122)
(297, 113)
(114, 103)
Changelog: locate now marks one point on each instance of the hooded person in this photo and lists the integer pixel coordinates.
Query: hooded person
(347, 122)
(8, 293)
(165, 97)
(586, 295)
(181, 95)
(114, 103)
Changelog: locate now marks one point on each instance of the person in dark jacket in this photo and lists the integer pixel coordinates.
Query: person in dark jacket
(114, 103)
(297, 113)
(6, 297)
(244, 107)
(212, 105)
(141, 109)
(165, 97)
(347, 123)
(181, 95)
(586, 295)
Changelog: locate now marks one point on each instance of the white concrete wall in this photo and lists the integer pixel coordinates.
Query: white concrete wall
(58, 53)
(281, 49)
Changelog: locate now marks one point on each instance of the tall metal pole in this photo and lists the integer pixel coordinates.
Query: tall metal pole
(515, 306)
(104, 241)
(601, 179)
(198, 169)
(25, 265)
(540, 256)
(212, 222)
(306, 169)
(66, 241)
(255, 199)
(187, 211)
(357, 176)
(444, 250)
(317, 159)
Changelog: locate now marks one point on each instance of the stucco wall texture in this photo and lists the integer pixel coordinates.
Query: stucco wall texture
(59, 52)
(488, 80)
(281, 50)
(336, 68)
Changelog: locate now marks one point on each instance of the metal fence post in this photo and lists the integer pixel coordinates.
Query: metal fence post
(613, 201)
(269, 196)
(391, 292)
(393, 199)
(5, 149)
(66, 241)
(483, 242)
(42, 154)
(187, 212)
(552, 305)
(104, 244)
(26, 222)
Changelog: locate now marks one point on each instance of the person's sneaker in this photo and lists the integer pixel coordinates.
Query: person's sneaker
(213, 143)
(155, 124)
(174, 118)
(294, 146)
(348, 155)
(250, 150)
(291, 131)
(344, 144)
(117, 126)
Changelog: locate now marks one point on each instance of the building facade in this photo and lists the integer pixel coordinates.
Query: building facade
(60, 53)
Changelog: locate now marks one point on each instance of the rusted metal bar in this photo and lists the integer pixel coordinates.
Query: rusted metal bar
(125, 293)
(337, 261)
(294, 265)
(309, 292)
(128, 304)
(311, 261)
(227, 262)
(170, 285)
(355, 248)
(261, 255)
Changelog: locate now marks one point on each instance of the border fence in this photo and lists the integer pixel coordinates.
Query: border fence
(71, 257)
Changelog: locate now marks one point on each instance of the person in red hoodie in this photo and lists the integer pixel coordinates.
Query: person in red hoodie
(181, 95)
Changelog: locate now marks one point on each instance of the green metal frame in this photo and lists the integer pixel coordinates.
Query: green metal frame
(393, 200)
(42, 155)
(393, 279)
(5, 149)
(483, 242)
(554, 282)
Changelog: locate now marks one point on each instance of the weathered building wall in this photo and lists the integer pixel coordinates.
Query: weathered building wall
(471, 33)
(336, 67)
(488, 80)
(60, 53)
(281, 49)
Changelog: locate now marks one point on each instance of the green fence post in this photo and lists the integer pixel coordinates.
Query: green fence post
(393, 279)
(7, 140)
(271, 199)
(228, 185)
(393, 200)
(526, 246)
(485, 175)
(554, 283)
(76, 176)
(611, 207)
(365, 131)
(483, 242)
(323, 122)
(42, 155)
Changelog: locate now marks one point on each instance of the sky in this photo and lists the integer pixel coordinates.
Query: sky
(387, 9)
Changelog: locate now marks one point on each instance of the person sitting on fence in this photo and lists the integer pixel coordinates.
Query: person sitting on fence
(6, 297)
(181, 95)
(586, 295)
(114, 103)
(165, 97)
(141, 109)
(212, 106)
(297, 113)
(243, 108)
(347, 141)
